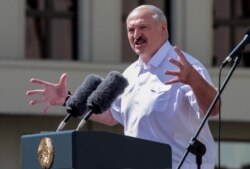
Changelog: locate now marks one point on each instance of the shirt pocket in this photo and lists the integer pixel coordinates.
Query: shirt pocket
(154, 98)
(159, 88)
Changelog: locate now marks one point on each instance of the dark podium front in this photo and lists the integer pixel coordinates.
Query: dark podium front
(79, 150)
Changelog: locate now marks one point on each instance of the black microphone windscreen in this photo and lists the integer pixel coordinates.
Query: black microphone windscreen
(105, 94)
(77, 104)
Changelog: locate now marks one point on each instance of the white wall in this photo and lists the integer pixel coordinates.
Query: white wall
(100, 30)
(235, 97)
(192, 22)
(12, 29)
(16, 75)
(15, 78)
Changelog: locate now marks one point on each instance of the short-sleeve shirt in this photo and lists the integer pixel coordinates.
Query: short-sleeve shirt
(151, 110)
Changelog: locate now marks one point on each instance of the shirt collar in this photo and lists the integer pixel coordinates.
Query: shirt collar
(156, 59)
(160, 54)
(141, 66)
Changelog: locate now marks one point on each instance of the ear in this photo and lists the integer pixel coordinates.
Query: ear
(163, 27)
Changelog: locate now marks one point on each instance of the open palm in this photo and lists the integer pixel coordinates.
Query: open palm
(52, 93)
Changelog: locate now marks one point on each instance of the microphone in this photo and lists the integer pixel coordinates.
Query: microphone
(236, 51)
(105, 94)
(76, 105)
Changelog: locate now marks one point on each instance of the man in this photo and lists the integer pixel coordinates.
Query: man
(168, 95)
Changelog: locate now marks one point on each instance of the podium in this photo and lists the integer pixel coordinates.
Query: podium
(80, 149)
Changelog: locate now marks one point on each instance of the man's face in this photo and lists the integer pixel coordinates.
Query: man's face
(145, 34)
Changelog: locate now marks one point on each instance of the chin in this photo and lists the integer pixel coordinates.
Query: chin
(138, 52)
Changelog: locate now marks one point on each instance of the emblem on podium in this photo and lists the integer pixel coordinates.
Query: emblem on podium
(46, 153)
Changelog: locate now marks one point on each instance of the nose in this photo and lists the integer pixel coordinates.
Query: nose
(137, 34)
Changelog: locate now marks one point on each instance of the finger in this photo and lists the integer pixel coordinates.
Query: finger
(39, 82)
(175, 62)
(179, 53)
(37, 101)
(172, 72)
(34, 92)
(63, 78)
(46, 109)
(175, 80)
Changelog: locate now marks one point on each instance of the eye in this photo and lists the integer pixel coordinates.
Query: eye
(143, 27)
(131, 30)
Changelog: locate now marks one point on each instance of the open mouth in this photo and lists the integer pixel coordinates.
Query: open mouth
(140, 41)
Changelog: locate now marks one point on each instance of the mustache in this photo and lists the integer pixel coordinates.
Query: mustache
(140, 39)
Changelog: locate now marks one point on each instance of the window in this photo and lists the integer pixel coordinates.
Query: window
(51, 29)
(231, 21)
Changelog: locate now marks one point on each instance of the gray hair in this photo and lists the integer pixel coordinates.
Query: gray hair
(158, 15)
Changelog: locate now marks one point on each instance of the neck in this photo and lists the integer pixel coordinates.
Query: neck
(147, 57)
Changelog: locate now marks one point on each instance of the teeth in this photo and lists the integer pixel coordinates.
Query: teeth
(139, 42)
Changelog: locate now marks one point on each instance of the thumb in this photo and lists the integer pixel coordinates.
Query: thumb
(63, 78)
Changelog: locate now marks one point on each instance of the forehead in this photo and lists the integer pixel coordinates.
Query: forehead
(140, 16)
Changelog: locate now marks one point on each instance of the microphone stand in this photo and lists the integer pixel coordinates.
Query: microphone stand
(195, 146)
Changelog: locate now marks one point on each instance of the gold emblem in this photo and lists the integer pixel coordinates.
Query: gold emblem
(46, 153)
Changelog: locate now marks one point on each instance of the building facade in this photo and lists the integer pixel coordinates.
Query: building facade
(45, 38)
